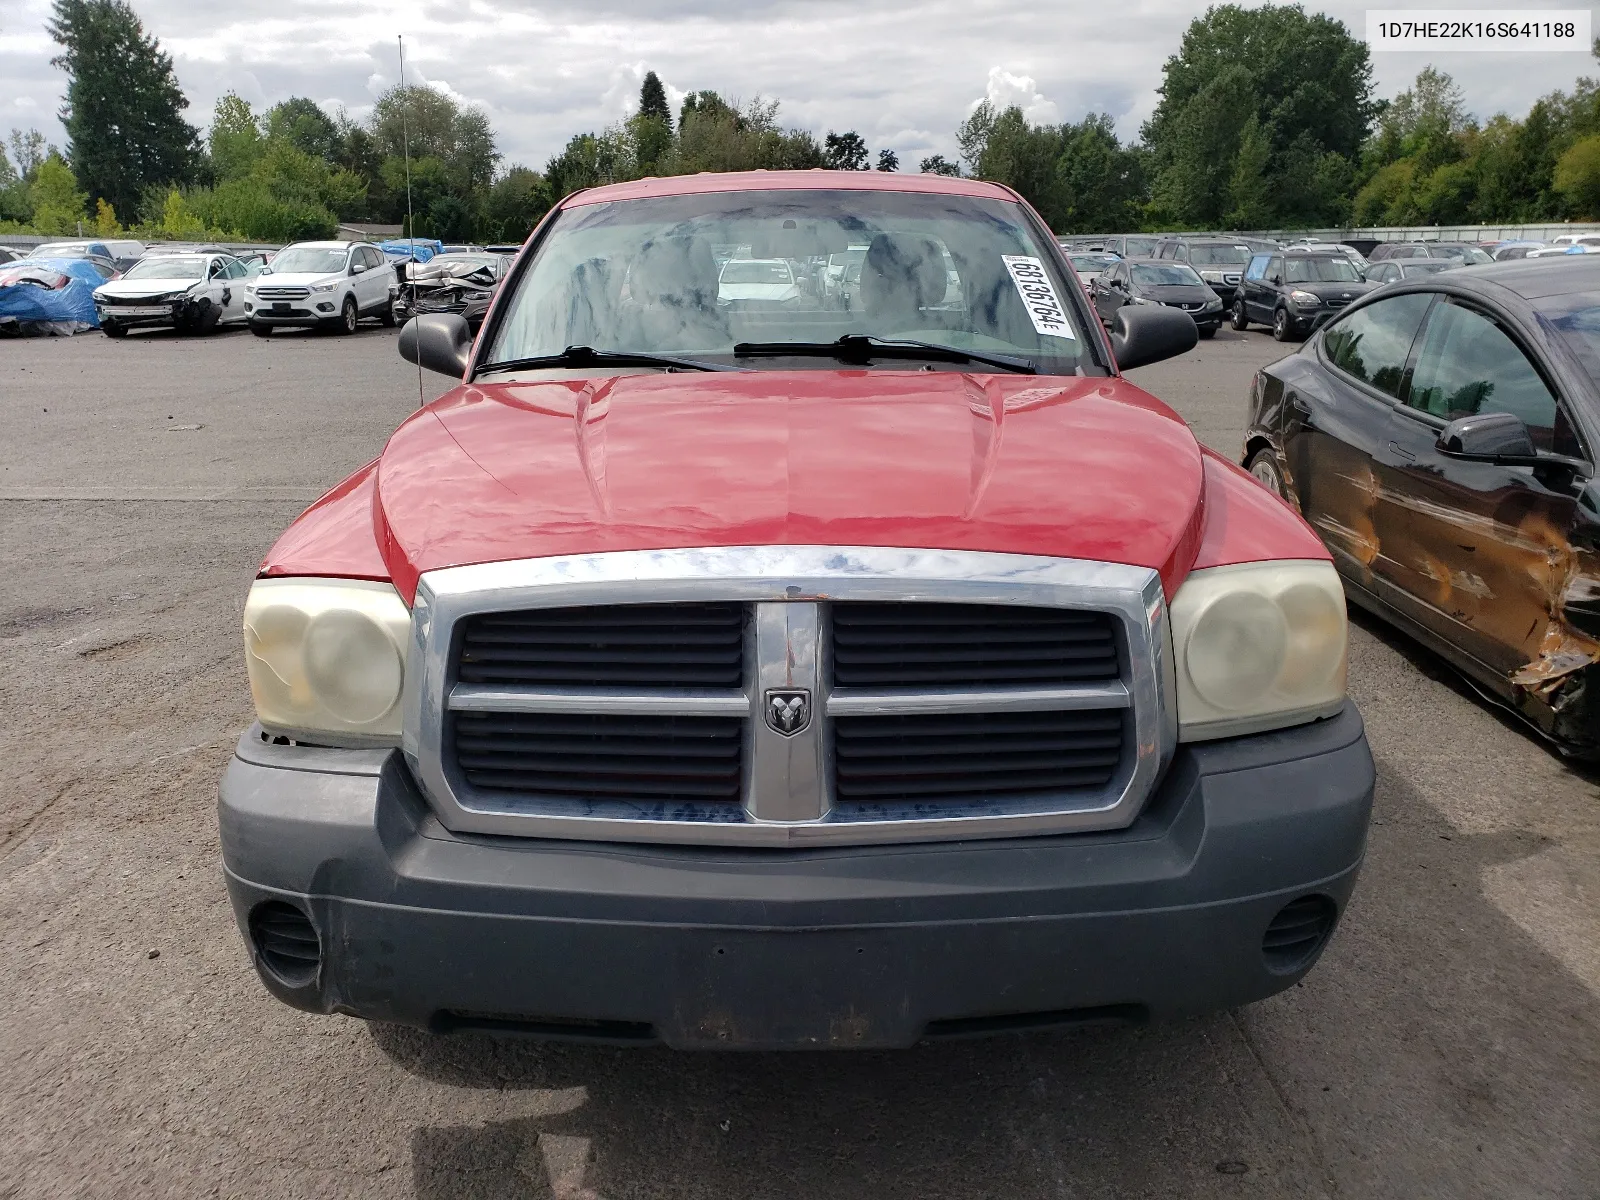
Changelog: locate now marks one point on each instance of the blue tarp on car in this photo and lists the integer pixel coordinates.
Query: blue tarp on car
(32, 308)
(411, 249)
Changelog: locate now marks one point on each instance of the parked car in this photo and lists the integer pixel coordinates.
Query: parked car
(792, 677)
(453, 283)
(1220, 262)
(117, 253)
(1514, 249)
(1568, 243)
(1151, 281)
(1469, 254)
(1090, 265)
(1295, 291)
(331, 285)
(192, 293)
(7, 254)
(1440, 437)
(1407, 268)
(97, 254)
(757, 282)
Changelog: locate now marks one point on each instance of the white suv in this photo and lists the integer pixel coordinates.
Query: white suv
(328, 284)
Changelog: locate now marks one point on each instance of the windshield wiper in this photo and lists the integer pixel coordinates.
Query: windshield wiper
(588, 356)
(859, 347)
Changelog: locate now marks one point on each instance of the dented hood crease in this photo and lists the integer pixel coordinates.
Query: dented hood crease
(1069, 467)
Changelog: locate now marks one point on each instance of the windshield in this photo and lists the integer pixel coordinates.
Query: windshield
(1218, 255)
(65, 250)
(641, 276)
(1165, 273)
(1424, 267)
(1471, 254)
(167, 267)
(1137, 247)
(739, 271)
(1576, 317)
(1093, 262)
(1320, 270)
(309, 260)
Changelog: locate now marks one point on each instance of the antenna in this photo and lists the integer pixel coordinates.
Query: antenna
(411, 219)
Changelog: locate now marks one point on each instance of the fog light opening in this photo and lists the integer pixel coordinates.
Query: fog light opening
(286, 943)
(1297, 933)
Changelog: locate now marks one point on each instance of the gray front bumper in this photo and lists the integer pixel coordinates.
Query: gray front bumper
(857, 946)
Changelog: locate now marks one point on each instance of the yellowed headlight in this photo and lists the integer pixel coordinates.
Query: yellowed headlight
(326, 659)
(1258, 646)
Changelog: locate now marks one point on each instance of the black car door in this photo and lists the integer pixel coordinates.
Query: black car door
(1109, 291)
(1474, 551)
(1336, 427)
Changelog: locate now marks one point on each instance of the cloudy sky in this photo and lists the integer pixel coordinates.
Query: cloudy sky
(901, 72)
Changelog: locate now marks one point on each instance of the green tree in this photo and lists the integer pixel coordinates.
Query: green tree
(124, 109)
(935, 164)
(514, 205)
(28, 150)
(844, 151)
(1577, 177)
(56, 202)
(888, 160)
(234, 141)
(653, 99)
(1305, 80)
(435, 126)
(303, 124)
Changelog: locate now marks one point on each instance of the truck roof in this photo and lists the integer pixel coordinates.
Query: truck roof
(765, 181)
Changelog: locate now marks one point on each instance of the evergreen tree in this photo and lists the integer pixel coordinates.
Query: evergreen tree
(888, 160)
(124, 109)
(303, 124)
(936, 164)
(653, 99)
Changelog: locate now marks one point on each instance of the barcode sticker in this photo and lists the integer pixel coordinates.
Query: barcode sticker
(1038, 295)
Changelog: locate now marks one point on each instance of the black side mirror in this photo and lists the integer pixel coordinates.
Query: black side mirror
(440, 342)
(1488, 437)
(1147, 333)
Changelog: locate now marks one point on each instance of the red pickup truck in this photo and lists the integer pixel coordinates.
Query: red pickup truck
(740, 670)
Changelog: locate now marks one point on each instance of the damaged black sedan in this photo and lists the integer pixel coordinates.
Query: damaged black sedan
(1440, 435)
(463, 284)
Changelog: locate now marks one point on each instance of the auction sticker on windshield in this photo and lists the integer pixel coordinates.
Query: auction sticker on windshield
(1038, 295)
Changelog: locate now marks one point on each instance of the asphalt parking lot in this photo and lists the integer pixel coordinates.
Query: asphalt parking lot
(1447, 1045)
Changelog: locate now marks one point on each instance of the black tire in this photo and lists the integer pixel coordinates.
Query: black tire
(1263, 465)
(1239, 321)
(349, 316)
(114, 329)
(1282, 326)
(386, 314)
(206, 318)
(260, 329)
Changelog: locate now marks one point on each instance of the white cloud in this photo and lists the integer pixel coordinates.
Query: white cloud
(1006, 90)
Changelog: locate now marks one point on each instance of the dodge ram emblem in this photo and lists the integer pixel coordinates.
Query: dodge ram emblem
(788, 710)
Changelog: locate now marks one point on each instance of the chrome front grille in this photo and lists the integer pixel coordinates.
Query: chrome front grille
(282, 293)
(788, 695)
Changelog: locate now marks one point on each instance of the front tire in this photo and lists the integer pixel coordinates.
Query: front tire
(387, 315)
(1282, 328)
(1241, 320)
(113, 329)
(1208, 332)
(349, 317)
(1263, 467)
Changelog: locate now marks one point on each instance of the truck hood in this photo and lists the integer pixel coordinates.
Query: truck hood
(1070, 467)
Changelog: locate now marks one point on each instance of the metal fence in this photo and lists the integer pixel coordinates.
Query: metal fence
(1429, 233)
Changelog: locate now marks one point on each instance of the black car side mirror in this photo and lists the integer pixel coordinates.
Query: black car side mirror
(1147, 333)
(1488, 437)
(440, 342)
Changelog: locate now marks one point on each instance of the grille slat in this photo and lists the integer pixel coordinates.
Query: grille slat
(635, 645)
(602, 756)
(969, 645)
(978, 755)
